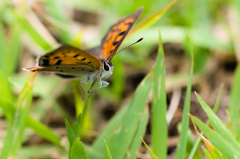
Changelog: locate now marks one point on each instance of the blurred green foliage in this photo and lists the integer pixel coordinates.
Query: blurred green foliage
(38, 26)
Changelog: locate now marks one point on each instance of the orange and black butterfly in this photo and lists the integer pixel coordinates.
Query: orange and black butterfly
(71, 62)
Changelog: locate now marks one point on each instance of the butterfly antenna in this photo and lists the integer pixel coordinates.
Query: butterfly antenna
(130, 45)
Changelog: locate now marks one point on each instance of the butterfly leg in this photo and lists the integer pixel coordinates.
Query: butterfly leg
(80, 82)
(102, 84)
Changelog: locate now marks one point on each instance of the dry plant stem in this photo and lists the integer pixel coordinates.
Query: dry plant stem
(173, 104)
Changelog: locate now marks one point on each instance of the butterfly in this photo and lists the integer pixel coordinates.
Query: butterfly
(92, 65)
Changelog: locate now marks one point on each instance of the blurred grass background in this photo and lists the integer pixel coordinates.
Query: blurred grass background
(31, 28)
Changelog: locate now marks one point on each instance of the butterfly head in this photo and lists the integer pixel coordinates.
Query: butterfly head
(107, 69)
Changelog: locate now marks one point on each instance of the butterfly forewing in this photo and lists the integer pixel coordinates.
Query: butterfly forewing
(117, 33)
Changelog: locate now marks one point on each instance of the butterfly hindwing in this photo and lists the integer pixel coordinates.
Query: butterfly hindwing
(68, 56)
(116, 34)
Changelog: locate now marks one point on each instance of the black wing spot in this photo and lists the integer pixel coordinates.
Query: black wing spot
(58, 62)
(76, 55)
(73, 67)
(89, 62)
(57, 57)
(122, 33)
(68, 51)
(57, 67)
(83, 59)
(115, 43)
(45, 62)
(129, 23)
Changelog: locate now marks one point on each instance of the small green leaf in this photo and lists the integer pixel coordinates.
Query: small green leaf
(70, 133)
(77, 151)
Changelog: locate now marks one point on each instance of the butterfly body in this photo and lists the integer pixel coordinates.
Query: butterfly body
(88, 66)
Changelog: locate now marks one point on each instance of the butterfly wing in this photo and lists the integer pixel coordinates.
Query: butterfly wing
(67, 61)
(117, 33)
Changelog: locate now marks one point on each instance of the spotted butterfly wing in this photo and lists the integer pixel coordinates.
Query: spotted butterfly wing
(116, 34)
(67, 61)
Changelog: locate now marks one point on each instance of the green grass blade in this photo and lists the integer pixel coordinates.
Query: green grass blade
(71, 136)
(206, 153)
(38, 127)
(223, 145)
(15, 131)
(181, 147)
(108, 151)
(112, 126)
(153, 18)
(77, 151)
(149, 150)
(218, 125)
(159, 106)
(234, 104)
(136, 142)
(127, 129)
(215, 108)
(43, 131)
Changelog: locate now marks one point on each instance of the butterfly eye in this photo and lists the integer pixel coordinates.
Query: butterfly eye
(106, 66)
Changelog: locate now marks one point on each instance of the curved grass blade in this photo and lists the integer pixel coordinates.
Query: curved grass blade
(215, 108)
(224, 146)
(218, 125)
(181, 148)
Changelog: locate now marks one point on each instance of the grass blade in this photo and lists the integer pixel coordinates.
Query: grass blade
(218, 125)
(44, 131)
(215, 108)
(127, 129)
(76, 127)
(181, 148)
(15, 131)
(136, 142)
(234, 104)
(112, 126)
(108, 151)
(149, 150)
(223, 145)
(159, 106)
(153, 18)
